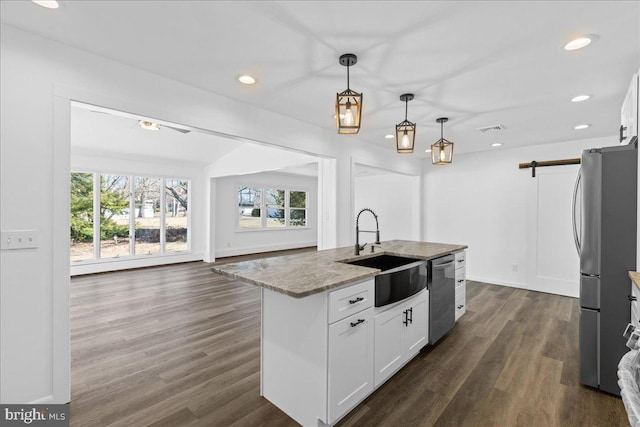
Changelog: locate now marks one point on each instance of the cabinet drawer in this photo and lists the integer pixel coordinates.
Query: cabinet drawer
(461, 290)
(350, 300)
(460, 280)
(461, 259)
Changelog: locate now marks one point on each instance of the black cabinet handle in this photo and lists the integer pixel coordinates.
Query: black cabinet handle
(354, 324)
(353, 301)
(460, 306)
(622, 129)
(461, 280)
(632, 298)
(406, 318)
(411, 313)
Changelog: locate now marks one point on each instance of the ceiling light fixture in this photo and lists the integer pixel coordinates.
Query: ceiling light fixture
(579, 127)
(405, 130)
(442, 150)
(49, 4)
(389, 136)
(496, 144)
(348, 102)
(144, 124)
(246, 79)
(580, 98)
(578, 43)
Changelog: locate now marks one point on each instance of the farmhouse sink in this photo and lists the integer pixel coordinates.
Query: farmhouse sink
(383, 262)
(400, 277)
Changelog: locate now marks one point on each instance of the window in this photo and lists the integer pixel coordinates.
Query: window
(114, 216)
(274, 200)
(176, 222)
(282, 208)
(81, 216)
(249, 202)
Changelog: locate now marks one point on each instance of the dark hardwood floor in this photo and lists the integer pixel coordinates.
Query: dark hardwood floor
(179, 346)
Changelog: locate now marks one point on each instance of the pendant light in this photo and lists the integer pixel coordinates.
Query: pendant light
(405, 131)
(442, 150)
(348, 103)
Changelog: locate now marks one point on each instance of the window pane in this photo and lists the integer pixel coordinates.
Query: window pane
(297, 199)
(81, 209)
(176, 218)
(274, 197)
(114, 216)
(275, 217)
(147, 212)
(297, 217)
(249, 207)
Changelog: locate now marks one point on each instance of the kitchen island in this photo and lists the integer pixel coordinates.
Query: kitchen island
(324, 346)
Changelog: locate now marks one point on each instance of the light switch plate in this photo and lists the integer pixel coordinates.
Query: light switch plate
(19, 239)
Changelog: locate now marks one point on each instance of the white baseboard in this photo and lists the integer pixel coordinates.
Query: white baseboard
(101, 266)
(515, 285)
(221, 253)
(44, 401)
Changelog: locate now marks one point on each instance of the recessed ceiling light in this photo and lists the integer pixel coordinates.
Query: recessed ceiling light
(428, 150)
(247, 79)
(580, 98)
(389, 136)
(49, 4)
(144, 124)
(496, 144)
(581, 126)
(579, 43)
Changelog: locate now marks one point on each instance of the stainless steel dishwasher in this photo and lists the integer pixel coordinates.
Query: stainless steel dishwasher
(442, 296)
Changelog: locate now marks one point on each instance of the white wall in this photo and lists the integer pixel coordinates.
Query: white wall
(484, 201)
(231, 241)
(391, 196)
(86, 162)
(38, 79)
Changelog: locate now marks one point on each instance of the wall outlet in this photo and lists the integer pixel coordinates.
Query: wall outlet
(19, 239)
(514, 268)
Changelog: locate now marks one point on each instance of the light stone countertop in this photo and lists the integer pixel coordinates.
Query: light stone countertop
(304, 274)
(635, 278)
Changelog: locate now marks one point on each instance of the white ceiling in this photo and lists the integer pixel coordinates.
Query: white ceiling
(101, 132)
(479, 63)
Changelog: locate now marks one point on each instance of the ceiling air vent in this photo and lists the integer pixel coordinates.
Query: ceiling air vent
(491, 128)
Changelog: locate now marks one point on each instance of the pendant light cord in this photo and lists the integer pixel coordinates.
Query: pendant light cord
(406, 109)
(348, 76)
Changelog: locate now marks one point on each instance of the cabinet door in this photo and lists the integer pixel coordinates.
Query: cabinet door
(629, 112)
(350, 362)
(388, 343)
(415, 333)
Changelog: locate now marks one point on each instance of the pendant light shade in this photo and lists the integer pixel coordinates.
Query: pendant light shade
(348, 102)
(442, 150)
(405, 130)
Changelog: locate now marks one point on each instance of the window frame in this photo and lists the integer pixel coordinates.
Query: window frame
(263, 207)
(97, 259)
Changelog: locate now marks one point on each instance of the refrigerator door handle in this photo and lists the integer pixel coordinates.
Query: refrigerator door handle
(576, 237)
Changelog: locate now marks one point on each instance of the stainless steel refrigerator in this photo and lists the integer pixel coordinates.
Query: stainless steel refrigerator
(605, 233)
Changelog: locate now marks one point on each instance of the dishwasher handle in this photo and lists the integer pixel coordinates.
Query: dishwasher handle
(445, 265)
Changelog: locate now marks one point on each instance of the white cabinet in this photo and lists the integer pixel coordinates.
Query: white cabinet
(629, 113)
(635, 308)
(400, 332)
(350, 362)
(317, 352)
(461, 284)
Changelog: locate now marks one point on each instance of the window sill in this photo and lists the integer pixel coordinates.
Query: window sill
(129, 258)
(252, 230)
